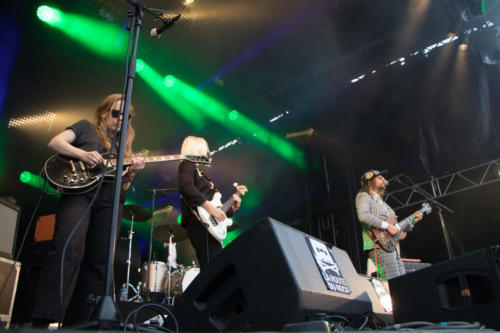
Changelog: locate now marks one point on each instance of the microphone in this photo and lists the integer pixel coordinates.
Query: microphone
(395, 178)
(156, 32)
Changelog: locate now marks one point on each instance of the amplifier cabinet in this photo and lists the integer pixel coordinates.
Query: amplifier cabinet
(9, 275)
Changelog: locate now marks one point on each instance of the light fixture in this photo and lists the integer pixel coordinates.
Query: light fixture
(31, 120)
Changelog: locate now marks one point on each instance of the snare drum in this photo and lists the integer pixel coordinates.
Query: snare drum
(158, 272)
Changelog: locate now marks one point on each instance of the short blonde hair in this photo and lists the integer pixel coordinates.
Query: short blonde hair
(193, 145)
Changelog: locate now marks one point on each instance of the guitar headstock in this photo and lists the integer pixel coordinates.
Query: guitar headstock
(198, 159)
(241, 189)
(426, 208)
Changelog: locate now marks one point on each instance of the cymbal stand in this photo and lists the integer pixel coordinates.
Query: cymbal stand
(129, 260)
(170, 299)
(137, 292)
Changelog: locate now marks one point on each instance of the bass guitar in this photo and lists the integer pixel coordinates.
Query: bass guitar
(219, 229)
(72, 176)
(386, 240)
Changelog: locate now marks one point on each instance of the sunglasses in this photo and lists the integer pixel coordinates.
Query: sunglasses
(116, 114)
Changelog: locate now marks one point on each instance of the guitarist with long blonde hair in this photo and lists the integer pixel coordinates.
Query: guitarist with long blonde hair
(197, 189)
(374, 213)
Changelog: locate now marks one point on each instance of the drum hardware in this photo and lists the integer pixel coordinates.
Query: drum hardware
(137, 214)
(170, 263)
(154, 190)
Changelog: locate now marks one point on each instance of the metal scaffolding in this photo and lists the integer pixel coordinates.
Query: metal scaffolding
(439, 187)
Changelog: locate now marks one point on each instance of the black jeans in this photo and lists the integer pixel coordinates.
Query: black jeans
(206, 246)
(85, 260)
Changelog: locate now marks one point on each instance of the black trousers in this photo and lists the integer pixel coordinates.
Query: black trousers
(85, 261)
(206, 246)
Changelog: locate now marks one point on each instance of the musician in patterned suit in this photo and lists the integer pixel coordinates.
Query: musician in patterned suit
(197, 189)
(85, 259)
(374, 212)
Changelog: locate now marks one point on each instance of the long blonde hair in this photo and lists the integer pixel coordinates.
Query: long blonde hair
(100, 114)
(193, 145)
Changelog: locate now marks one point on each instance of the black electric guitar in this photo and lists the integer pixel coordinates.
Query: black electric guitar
(72, 176)
(386, 240)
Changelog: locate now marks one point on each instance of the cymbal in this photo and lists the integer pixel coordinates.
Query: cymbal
(233, 227)
(139, 213)
(162, 233)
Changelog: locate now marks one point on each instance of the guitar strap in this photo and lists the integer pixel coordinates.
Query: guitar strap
(195, 213)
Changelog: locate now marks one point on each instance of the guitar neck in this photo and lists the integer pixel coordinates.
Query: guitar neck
(404, 223)
(226, 206)
(152, 159)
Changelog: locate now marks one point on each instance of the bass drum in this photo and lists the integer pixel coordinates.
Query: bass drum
(189, 275)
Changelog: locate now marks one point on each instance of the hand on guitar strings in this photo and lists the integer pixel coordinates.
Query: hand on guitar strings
(217, 213)
(392, 220)
(91, 158)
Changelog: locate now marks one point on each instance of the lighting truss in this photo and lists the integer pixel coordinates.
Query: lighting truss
(439, 187)
(426, 50)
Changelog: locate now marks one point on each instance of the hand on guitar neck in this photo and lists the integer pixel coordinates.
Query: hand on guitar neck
(392, 220)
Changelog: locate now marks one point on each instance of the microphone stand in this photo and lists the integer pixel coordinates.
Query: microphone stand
(106, 314)
(439, 207)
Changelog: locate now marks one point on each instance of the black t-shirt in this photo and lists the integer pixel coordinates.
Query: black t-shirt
(88, 140)
(86, 137)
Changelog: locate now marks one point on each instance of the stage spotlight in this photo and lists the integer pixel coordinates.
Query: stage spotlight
(27, 121)
(463, 43)
(33, 180)
(169, 81)
(139, 65)
(48, 15)
(307, 132)
(233, 115)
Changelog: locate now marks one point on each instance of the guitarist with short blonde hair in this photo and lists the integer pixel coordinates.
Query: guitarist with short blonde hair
(375, 214)
(196, 190)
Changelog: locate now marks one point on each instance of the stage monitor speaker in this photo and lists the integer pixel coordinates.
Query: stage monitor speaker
(9, 215)
(9, 275)
(272, 275)
(466, 288)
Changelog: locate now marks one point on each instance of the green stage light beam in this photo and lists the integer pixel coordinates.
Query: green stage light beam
(238, 123)
(184, 109)
(105, 39)
(35, 181)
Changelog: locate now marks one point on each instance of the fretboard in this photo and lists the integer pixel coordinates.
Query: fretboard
(153, 159)
(226, 206)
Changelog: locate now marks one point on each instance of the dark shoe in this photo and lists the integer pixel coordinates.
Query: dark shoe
(41, 323)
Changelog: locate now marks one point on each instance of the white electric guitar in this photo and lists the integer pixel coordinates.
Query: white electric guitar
(219, 229)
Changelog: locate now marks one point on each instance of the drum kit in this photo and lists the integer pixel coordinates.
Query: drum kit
(159, 280)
